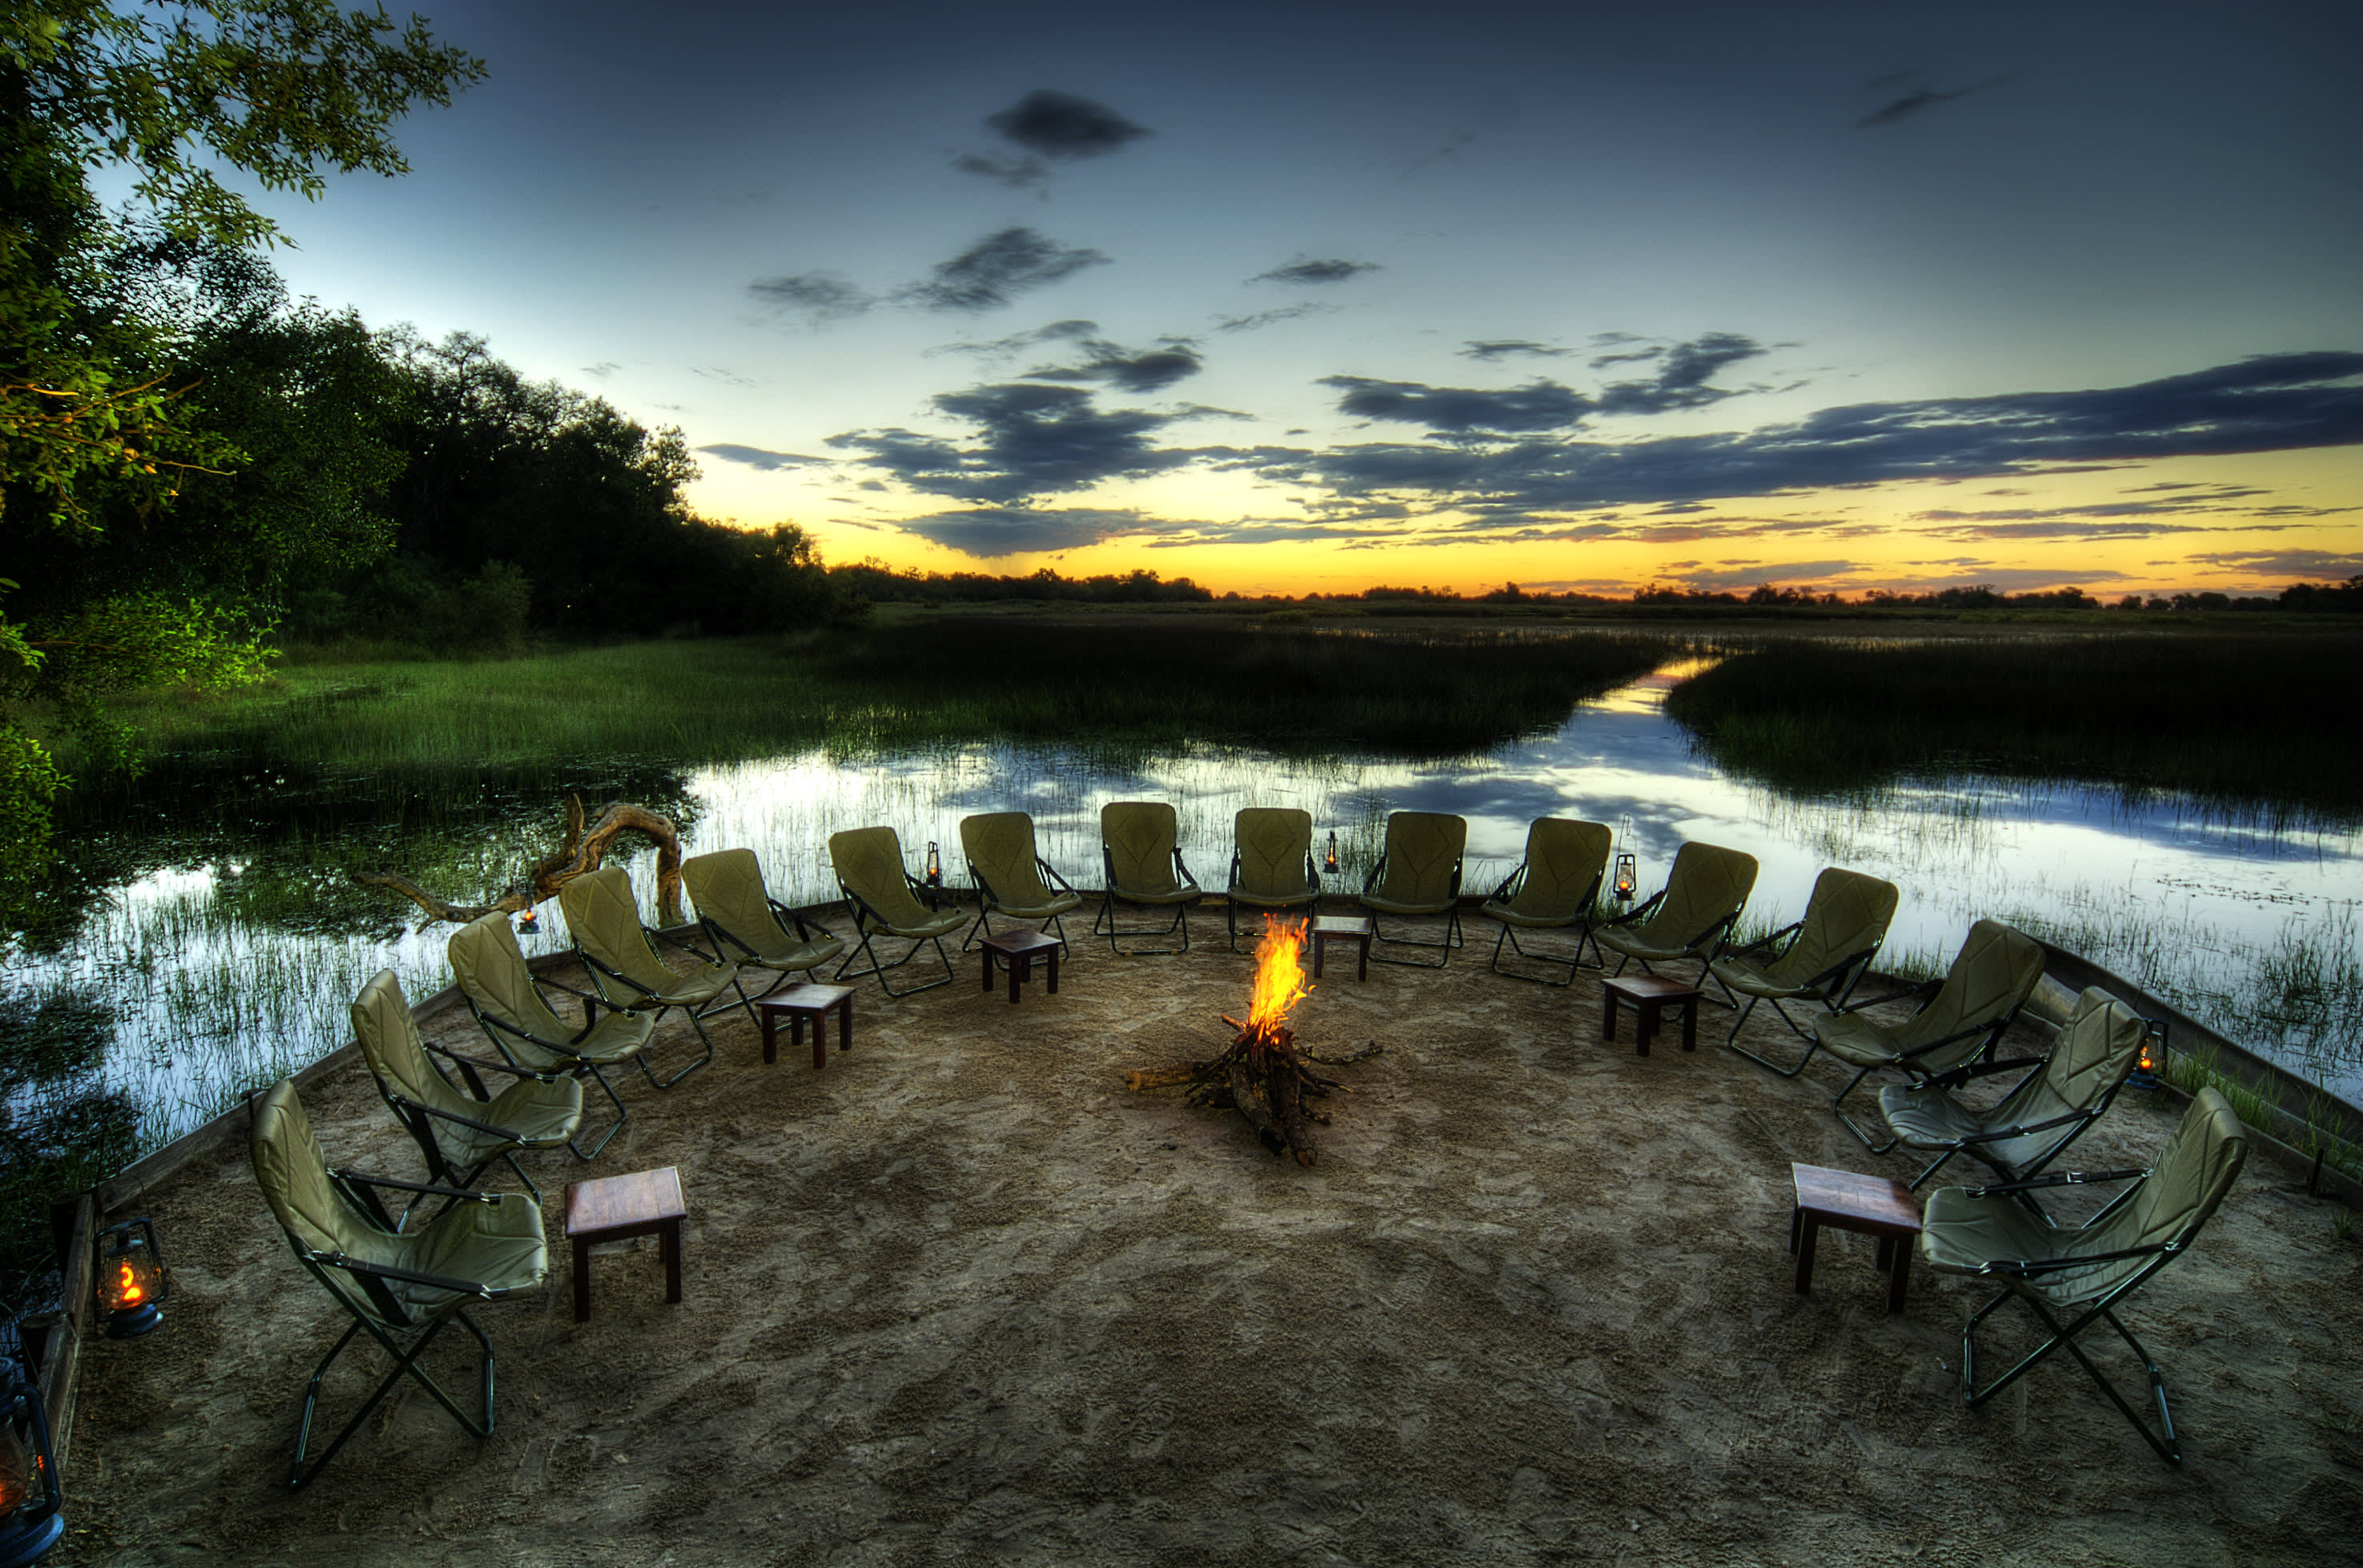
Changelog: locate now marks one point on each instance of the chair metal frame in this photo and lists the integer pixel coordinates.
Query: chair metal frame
(864, 916)
(1585, 918)
(635, 997)
(1982, 1060)
(987, 901)
(725, 939)
(1110, 898)
(1695, 948)
(564, 1050)
(1231, 888)
(1833, 987)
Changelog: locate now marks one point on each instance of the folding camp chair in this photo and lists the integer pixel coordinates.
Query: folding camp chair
(403, 1286)
(1690, 917)
(885, 898)
(1557, 886)
(1140, 850)
(1272, 865)
(459, 1136)
(1418, 873)
(626, 971)
(1964, 1018)
(2047, 1110)
(506, 998)
(746, 925)
(2071, 1276)
(1011, 878)
(1825, 956)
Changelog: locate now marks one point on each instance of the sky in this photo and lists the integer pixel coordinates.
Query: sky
(1290, 298)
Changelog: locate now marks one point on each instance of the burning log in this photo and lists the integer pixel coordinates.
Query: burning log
(1264, 1075)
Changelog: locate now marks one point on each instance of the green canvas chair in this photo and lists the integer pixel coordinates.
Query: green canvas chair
(506, 999)
(1557, 886)
(1418, 873)
(1140, 849)
(1962, 1021)
(403, 1288)
(746, 925)
(459, 1136)
(1011, 878)
(2072, 1276)
(604, 920)
(2047, 1110)
(884, 897)
(1820, 960)
(1690, 917)
(1272, 865)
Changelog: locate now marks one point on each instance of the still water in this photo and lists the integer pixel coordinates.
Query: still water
(2251, 928)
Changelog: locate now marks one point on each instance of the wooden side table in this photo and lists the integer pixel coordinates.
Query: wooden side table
(1649, 998)
(803, 1002)
(1875, 1206)
(614, 1208)
(1017, 950)
(1356, 929)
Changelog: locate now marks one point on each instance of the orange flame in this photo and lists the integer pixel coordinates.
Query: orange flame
(1280, 978)
(129, 1292)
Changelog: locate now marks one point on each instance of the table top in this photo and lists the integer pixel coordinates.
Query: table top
(1647, 988)
(805, 996)
(1343, 925)
(641, 1197)
(1873, 1198)
(1016, 944)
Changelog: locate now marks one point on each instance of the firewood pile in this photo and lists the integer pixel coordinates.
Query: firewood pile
(1264, 1075)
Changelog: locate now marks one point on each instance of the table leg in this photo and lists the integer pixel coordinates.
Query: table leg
(669, 1237)
(1645, 1023)
(987, 955)
(1808, 1226)
(1902, 1277)
(820, 1039)
(1690, 1024)
(1796, 1223)
(1320, 947)
(845, 1025)
(1608, 1015)
(1021, 968)
(582, 1279)
(1054, 972)
(1363, 972)
(771, 1034)
(1884, 1258)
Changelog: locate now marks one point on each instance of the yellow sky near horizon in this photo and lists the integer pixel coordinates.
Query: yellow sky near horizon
(2249, 524)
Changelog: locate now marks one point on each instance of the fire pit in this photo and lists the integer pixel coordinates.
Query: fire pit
(1263, 1074)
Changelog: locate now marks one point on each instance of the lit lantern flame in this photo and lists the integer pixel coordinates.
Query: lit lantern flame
(129, 1291)
(1280, 978)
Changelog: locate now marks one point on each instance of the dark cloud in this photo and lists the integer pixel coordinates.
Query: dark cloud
(1061, 125)
(823, 296)
(756, 457)
(1460, 411)
(727, 378)
(1779, 574)
(1683, 371)
(1025, 530)
(1250, 322)
(1633, 357)
(1143, 370)
(602, 369)
(2273, 403)
(1331, 271)
(1055, 332)
(2308, 566)
(1015, 172)
(1918, 99)
(1037, 440)
(1491, 349)
(997, 269)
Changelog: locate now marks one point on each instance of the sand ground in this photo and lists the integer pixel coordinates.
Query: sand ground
(960, 1297)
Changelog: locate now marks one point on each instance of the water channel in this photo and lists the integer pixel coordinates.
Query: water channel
(2251, 928)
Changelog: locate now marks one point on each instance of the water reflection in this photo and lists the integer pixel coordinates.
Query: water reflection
(232, 965)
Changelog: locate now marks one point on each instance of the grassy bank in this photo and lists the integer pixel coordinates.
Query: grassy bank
(2249, 721)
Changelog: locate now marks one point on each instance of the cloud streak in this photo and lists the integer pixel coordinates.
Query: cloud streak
(1034, 440)
(1329, 271)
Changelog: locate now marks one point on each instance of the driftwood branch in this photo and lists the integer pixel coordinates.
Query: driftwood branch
(584, 850)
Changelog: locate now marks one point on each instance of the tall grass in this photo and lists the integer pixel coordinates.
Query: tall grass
(2265, 723)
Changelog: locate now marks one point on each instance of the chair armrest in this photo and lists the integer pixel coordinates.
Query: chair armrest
(466, 1063)
(1182, 869)
(1769, 941)
(1702, 939)
(596, 967)
(1955, 1077)
(2061, 1178)
(1050, 875)
(497, 1132)
(1924, 988)
(1640, 910)
(1990, 1026)
(2026, 1268)
(803, 932)
(363, 1179)
(1233, 884)
(691, 948)
(923, 892)
(2024, 1128)
(407, 1276)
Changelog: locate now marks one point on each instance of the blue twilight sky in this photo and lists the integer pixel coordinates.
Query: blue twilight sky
(1318, 295)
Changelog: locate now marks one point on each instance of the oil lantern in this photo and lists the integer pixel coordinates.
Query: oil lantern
(935, 865)
(130, 1275)
(1329, 860)
(2152, 1056)
(29, 1520)
(1628, 876)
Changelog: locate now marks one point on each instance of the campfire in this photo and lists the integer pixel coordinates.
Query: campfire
(1263, 1076)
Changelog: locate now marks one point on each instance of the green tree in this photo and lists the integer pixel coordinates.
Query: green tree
(108, 422)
